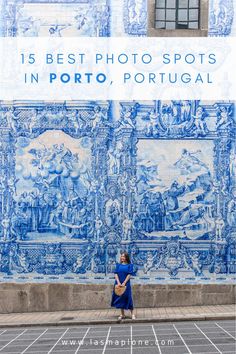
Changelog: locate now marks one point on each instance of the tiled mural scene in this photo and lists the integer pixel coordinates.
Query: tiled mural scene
(81, 181)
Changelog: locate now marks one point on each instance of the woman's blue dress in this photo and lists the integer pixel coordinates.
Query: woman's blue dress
(124, 301)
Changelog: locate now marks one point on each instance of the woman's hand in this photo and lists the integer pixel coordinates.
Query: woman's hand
(119, 284)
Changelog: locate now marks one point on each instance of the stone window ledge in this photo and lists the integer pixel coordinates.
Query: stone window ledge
(153, 32)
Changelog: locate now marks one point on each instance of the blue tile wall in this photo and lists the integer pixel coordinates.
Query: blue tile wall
(82, 181)
(94, 17)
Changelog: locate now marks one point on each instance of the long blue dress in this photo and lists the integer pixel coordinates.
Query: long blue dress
(124, 301)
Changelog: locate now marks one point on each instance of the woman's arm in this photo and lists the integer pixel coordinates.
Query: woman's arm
(117, 279)
(126, 279)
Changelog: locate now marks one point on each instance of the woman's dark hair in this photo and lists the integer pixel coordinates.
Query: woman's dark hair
(126, 254)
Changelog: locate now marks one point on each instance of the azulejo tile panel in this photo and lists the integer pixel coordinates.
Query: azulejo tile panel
(81, 181)
(56, 18)
(221, 17)
(102, 18)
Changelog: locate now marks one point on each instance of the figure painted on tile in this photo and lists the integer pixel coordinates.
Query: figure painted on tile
(231, 212)
(156, 212)
(98, 117)
(55, 30)
(195, 263)
(190, 162)
(76, 268)
(221, 17)
(81, 20)
(150, 261)
(135, 17)
(113, 165)
(6, 223)
(219, 226)
(171, 196)
(23, 261)
(199, 123)
(28, 27)
(11, 118)
(152, 128)
(127, 227)
(112, 212)
(128, 115)
(223, 118)
(98, 228)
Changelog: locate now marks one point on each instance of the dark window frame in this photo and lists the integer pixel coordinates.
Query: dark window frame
(177, 23)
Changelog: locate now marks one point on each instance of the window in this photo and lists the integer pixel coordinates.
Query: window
(177, 14)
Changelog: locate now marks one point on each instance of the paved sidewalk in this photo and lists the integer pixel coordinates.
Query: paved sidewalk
(106, 316)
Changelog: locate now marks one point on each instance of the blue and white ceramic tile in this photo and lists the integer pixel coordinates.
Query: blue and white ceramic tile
(59, 18)
(222, 18)
(82, 181)
(32, 18)
(135, 17)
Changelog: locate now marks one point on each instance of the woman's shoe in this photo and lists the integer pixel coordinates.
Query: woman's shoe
(133, 317)
(121, 317)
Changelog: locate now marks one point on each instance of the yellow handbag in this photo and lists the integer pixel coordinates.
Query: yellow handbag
(119, 290)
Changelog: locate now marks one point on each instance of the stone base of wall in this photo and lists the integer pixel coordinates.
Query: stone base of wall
(62, 297)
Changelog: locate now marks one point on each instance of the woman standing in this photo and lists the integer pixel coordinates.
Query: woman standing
(123, 272)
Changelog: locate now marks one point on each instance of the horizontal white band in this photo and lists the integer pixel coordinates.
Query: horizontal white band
(117, 68)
